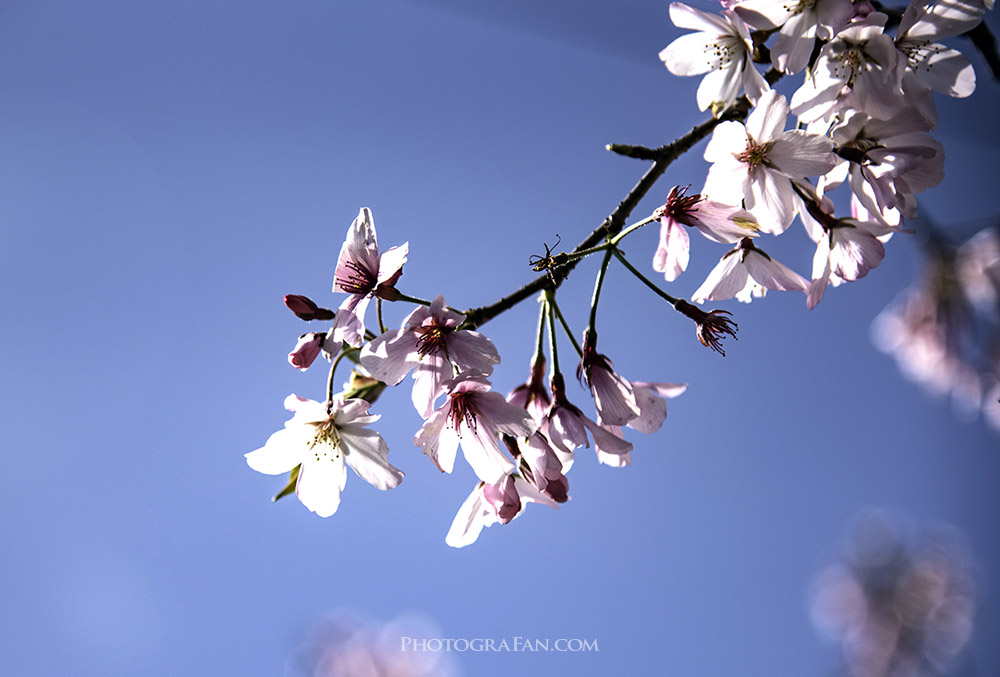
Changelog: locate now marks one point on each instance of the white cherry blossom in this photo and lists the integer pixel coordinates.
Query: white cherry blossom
(721, 48)
(322, 442)
(746, 272)
(756, 162)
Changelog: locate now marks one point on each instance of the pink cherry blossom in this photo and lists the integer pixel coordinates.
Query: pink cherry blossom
(474, 417)
(363, 274)
(612, 393)
(567, 428)
(431, 344)
(716, 221)
(491, 503)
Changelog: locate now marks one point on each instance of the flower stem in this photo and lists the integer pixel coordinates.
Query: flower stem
(598, 283)
(642, 278)
(403, 297)
(540, 340)
(329, 378)
(549, 306)
(635, 226)
(378, 312)
(565, 326)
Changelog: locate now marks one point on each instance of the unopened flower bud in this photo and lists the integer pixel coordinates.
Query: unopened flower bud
(306, 309)
(306, 350)
(503, 498)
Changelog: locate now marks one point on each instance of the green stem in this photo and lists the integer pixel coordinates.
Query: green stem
(598, 283)
(635, 226)
(565, 325)
(403, 297)
(329, 378)
(540, 340)
(642, 278)
(378, 312)
(549, 306)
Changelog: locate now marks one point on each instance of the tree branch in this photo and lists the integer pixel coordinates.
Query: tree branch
(662, 158)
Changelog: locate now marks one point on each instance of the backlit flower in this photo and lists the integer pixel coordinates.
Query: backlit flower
(721, 48)
(363, 274)
(430, 344)
(322, 442)
(474, 417)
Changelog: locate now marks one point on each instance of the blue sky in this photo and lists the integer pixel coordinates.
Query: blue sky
(170, 170)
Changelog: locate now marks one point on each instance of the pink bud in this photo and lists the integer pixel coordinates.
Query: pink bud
(306, 350)
(306, 309)
(502, 496)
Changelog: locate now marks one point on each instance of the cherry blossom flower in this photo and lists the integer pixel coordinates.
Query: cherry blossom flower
(886, 162)
(429, 343)
(567, 428)
(540, 465)
(929, 64)
(746, 272)
(474, 417)
(489, 504)
(716, 221)
(857, 70)
(800, 23)
(363, 274)
(722, 49)
(847, 250)
(651, 398)
(612, 393)
(322, 442)
(756, 163)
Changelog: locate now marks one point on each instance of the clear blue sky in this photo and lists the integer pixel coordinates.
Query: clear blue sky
(168, 170)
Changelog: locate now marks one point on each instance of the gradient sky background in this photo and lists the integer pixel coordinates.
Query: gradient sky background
(168, 170)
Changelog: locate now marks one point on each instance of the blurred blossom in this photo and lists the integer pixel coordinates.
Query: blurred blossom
(345, 645)
(944, 330)
(897, 608)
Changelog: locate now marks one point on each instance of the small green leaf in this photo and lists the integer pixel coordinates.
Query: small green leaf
(293, 477)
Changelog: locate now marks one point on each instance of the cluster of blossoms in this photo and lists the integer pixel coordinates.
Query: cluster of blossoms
(897, 608)
(520, 447)
(944, 330)
(864, 112)
(864, 115)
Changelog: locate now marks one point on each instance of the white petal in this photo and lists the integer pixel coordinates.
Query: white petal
(674, 251)
(320, 484)
(472, 350)
(799, 154)
(684, 16)
(766, 121)
(366, 452)
(387, 359)
(773, 275)
(438, 440)
(472, 516)
(282, 452)
(727, 278)
(391, 261)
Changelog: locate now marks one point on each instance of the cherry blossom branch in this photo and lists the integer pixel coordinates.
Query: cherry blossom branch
(662, 158)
